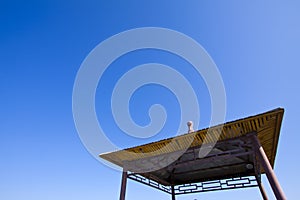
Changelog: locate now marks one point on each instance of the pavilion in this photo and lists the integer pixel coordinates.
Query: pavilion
(228, 156)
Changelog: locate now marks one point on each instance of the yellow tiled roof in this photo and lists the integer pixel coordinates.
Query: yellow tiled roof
(266, 125)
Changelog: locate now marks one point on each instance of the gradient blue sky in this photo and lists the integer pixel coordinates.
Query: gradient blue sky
(255, 45)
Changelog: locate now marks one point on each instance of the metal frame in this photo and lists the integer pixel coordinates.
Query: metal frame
(149, 182)
(224, 184)
(253, 148)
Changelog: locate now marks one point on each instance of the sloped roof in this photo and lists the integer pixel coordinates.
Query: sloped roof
(265, 125)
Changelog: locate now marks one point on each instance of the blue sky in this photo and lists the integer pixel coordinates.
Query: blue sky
(255, 45)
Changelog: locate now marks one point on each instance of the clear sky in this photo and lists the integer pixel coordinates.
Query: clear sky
(255, 45)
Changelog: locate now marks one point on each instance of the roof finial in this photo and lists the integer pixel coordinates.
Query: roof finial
(190, 125)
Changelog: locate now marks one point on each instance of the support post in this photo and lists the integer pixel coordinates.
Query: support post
(264, 161)
(173, 192)
(261, 188)
(123, 185)
(258, 176)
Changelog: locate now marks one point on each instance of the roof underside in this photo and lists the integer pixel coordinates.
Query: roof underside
(181, 161)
